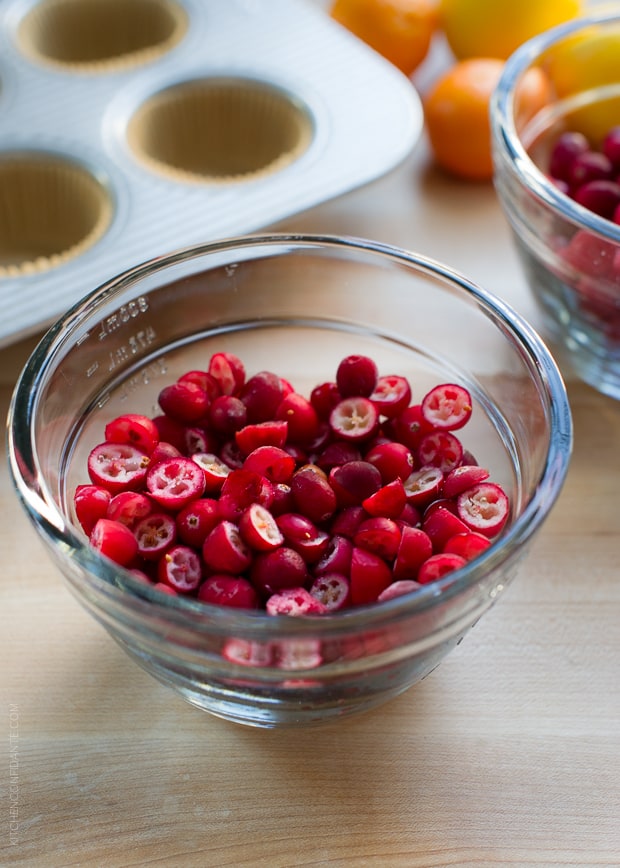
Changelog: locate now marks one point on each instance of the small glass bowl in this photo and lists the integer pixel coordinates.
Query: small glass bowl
(295, 305)
(571, 256)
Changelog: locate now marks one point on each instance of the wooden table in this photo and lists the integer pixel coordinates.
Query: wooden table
(508, 754)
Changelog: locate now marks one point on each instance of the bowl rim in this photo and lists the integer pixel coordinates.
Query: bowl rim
(508, 140)
(40, 505)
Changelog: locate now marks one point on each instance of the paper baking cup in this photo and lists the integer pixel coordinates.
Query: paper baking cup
(51, 210)
(219, 129)
(99, 35)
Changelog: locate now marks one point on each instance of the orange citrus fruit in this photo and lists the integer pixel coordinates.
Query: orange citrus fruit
(400, 30)
(456, 110)
(491, 28)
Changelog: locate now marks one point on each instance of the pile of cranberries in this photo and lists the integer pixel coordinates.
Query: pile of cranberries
(242, 492)
(589, 175)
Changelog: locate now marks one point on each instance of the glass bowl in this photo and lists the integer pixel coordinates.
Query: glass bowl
(570, 255)
(294, 305)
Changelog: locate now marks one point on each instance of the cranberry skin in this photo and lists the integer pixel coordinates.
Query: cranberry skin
(347, 520)
(337, 453)
(423, 485)
(611, 146)
(484, 508)
(589, 166)
(410, 427)
(468, 545)
(184, 402)
(241, 489)
(356, 375)
(301, 418)
(271, 433)
(198, 440)
(233, 591)
(282, 499)
(163, 451)
(393, 460)
(180, 568)
(170, 431)
(462, 478)
(203, 379)
(370, 575)
(115, 541)
(440, 524)
(332, 590)
(272, 572)
(90, 503)
(414, 549)
(262, 395)
(117, 467)
(155, 534)
(312, 494)
(224, 551)
(391, 395)
(295, 602)
(214, 469)
(568, 146)
(379, 535)
(336, 558)
(324, 398)
(133, 428)
(303, 535)
(175, 482)
(439, 565)
(354, 481)
(389, 501)
(196, 521)
(129, 507)
(227, 414)
(276, 464)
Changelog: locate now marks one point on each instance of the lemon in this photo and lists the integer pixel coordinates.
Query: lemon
(495, 28)
(582, 63)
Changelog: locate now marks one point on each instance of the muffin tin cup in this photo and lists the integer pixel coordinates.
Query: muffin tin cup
(130, 128)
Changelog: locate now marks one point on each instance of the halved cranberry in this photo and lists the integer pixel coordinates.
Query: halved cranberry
(439, 565)
(173, 483)
(379, 535)
(337, 453)
(440, 449)
(336, 558)
(300, 416)
(228, 371)
(295, 602)
(347, 520)
(423, 485)
(332, 591)
(247, 652)
(129, 507)
(270, 433)
(391, 395)
(301, 534)
(447, 407)
(274, 463)
(324, 398)
(468, 545)
(155, 534)
(398, 589)
(415, 548)
(198, 440)
(484, 508)
(370, 575)
(440, 524)
(214, 469)
(163, 451)
(196, 520)
(114, 540)
(117, 467)
(91, 503)
(133, 428)
(241, 489)
(312, 494)
(224, 551)
(259, 530)
(388, 501)
(463, 477)
(203, 379)
(180, 568)
(355, 419)
(224, 590)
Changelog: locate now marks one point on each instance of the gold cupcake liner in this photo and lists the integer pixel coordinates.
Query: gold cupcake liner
(100, 35)
(219, 130)
(51, 211)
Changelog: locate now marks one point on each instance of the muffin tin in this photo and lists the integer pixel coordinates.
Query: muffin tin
(129, 128)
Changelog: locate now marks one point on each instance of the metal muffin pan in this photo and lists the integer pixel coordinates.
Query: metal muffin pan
(130, 128)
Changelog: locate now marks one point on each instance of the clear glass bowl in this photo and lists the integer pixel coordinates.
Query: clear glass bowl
(578, 293)
(295, 305)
